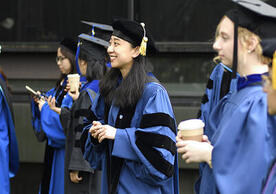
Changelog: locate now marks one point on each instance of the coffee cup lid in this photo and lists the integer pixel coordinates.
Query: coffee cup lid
(73, 75)
(191, 124)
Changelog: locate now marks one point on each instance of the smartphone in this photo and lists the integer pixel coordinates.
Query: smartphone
(34, 93)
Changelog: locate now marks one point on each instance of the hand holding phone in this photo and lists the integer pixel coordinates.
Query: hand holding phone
(32, 92)
(36, 94)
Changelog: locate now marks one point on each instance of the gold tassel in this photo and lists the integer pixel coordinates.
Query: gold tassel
(93, 31)
(274, 71)
(143, 45)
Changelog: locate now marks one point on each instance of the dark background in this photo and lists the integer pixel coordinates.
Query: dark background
(51, 20)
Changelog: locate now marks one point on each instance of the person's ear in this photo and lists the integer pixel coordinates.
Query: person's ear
(252, 44)
(136, 52)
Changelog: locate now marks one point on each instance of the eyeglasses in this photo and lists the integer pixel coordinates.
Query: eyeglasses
(266, 81)
(60, 58)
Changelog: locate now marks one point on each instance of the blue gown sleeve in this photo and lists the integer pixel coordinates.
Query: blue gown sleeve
(149, 149)
(4, 148)
(36, 121)
(240, 160)
(270, 186)
(94, 152)
(212, 93)
(51, 125)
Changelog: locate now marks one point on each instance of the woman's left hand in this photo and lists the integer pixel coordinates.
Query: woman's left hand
(74, 95)
(106, 132)
(194, 151)
(52, 104)
(40, 103)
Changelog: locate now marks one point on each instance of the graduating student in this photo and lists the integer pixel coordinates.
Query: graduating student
(132, 138)
(92, 56)
(269, 87)
(242, 132)
(9, 159)
(219, 84)
(47, 125)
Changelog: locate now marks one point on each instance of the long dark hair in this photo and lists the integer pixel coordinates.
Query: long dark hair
(129, 91)
(71, 57)
(95, 68)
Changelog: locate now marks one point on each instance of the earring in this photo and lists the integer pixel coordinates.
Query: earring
(249, 51)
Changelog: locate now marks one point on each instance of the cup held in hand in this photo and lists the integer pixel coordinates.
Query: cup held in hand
(191, 129)
(74, 81)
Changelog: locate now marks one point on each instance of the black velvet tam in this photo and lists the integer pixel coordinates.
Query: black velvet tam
(132, 32)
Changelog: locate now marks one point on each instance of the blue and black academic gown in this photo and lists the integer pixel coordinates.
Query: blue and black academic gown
(270, 186)
(9, 160)
(73, 121)
(241, 155)
(142, 158)
(48, 123)
(219, 84)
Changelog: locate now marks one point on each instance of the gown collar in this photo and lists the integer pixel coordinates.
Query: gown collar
(253, 79)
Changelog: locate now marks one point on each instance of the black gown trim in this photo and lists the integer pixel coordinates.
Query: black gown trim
(225, 83)
(158, 119)
(204, 99)
(210, 84)
(88, 113)
(155, 158)
(115, 164)
(156, 140)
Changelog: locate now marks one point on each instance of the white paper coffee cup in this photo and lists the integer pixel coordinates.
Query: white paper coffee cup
(191, 129)
(74, 82)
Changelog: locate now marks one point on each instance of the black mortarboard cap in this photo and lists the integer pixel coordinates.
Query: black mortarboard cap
(98, 30)
(269, 47)
(95, 42)
(134, 33)
(70, 44)
(93, 46)
(269, 50)
(254, 15)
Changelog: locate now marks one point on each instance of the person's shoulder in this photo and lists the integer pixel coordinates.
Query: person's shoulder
(154, 89)
(249, 97)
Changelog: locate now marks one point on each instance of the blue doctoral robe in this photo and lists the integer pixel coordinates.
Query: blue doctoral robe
(9, 159)
(73, 120)
(242, 141)
(47, 122)
(270, 186)
(147, 147)
(213, 92)
(210, 99)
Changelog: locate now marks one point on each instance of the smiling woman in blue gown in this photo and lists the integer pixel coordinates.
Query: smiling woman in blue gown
(132, 138)
(47, 125)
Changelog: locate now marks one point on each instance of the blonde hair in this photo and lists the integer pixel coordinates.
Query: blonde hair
(244, 36)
